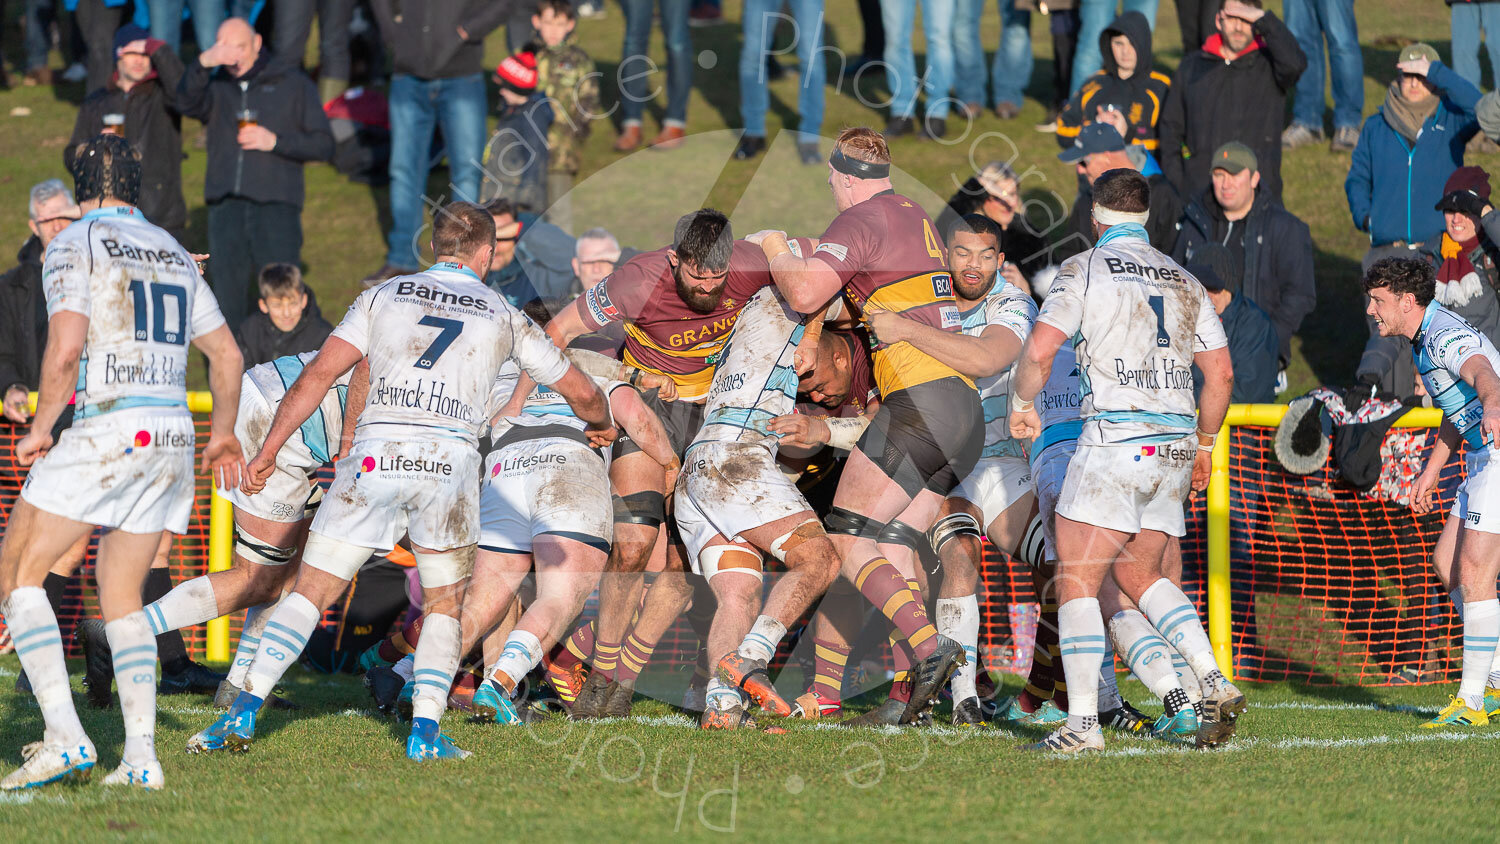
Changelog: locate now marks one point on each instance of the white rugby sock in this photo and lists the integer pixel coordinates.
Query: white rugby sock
(1082, 644)
(250, 632)
(1177, 619)
(1109, 689)
(762, 640)
(1481, 633)
(1457, 596)
(281, 642)
(1186, 677)
(133, 644)
(958, 619)
(189, 603)
(38, 642)
(403, 667)
(720, 696)
(1146, 652)
(434, 664)
(522, 652)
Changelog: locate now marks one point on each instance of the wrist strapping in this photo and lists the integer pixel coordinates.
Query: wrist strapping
(845, 432)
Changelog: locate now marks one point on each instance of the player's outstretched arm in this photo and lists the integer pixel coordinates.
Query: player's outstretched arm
(642, 426)
(225, 367)
(583, 395)
(354, 404)
(301, 400)
(1213, 405)
(806, 283)
(977, 357)
(66, 333)
(1447, 442)
(1481, 376)
(1032, 371)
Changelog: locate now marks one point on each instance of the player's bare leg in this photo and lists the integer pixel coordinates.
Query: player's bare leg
(1445, 563)
(867, 499)
(668, 595)
(34, 542)
(737, 588)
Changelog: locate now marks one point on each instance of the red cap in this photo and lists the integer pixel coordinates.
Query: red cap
(518, 72)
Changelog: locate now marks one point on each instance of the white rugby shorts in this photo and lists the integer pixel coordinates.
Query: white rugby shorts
(994, 485)
(549, 485)
(290, 487)
(1478, 500)
(1130, 488)
(726, 488)
(385, 488)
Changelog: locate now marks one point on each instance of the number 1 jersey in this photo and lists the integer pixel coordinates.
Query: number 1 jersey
(145, 301)
(435, 341)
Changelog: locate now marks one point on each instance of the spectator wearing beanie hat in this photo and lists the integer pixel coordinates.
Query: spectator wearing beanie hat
(516, 159)
(1466, 253)
(1254, 346)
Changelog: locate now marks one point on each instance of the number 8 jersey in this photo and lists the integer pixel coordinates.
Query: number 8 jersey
(145, 301)
(435, 341)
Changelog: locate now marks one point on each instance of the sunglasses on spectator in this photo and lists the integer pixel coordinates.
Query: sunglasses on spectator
(512, 239)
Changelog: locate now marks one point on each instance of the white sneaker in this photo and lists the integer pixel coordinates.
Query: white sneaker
(1068, 741)
(148, 776)
(49, 762)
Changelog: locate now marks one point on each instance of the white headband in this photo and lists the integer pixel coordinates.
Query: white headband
(1111, 217)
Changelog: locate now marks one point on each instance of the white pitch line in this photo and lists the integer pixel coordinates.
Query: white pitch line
(1296, 744)
(1350, 707)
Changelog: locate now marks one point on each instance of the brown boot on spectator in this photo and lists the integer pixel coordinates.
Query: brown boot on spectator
(630, 138)
(671, 137)
(386, 271)
(39, 76)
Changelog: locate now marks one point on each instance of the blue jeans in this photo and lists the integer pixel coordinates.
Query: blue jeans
(1093, 17)
(417, 106)
(1011, 71)
(898, 16)
(760, 19)
(1468, 19)
(635, 66)
(166, 21)
(1310, 21)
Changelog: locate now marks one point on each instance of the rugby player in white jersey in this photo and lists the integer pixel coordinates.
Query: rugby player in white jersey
(125, 299)
(441, 340)
(735, 506)
(545, 503)
(1141, 323)
(995, 497)
(1458, 366)
(270, 526)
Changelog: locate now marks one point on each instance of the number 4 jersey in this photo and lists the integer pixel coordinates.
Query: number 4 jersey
(435, 341)
(145, 301)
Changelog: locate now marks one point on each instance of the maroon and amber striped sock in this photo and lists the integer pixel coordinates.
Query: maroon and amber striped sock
(1045, 661)
(829, 662)
(402, 642)
(901, 657)
(606, 658)
(883, 586)
(634, 655)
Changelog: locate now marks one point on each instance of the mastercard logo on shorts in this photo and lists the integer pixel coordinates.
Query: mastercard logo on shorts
(366, 465)
(142, 439)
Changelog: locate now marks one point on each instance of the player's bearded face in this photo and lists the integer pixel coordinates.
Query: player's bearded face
(1385, 307)
(701, 290)
(974, 261)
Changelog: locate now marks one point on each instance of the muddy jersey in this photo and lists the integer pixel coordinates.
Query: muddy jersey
(545, 406)
(662, 334)
(1059, 404)
(1138, 318)
(755, 380)
(886, 253)
(1440, 348)
(322, 430)
(1011, 308)
(435, 342)
(145, 301)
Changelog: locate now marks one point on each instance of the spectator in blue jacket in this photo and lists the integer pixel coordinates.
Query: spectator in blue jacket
(1253, 343)
(1406, 152)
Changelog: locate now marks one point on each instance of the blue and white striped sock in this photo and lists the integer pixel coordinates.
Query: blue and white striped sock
(189, 603)
(1175, 617)
(33, 630)
(1081, 640)
(762, 640)
(522, 652)
(1481, 633)
(133, 645)
(434, 664)
(281, 642)
(244, 653)
(1145, 652)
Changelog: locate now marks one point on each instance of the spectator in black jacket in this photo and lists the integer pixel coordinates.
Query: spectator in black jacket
(264, 122)
(289, 322)
(23, 311)
(143, 90)
(1234, 89)
(1252, 337)
(1128, 92)
(1272, 249)
(995, 192)
(1097, 150)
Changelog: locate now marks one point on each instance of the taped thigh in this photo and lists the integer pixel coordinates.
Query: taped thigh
(444, 568)
(788, 541)
(340, 559)
(641, 508)
(721, 558)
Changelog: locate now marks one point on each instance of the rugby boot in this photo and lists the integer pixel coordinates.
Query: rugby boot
(591, 698)
(733, 718)
(99, 665)
(1492, 701)
(966, 713)
(887, 714)
(749, 675)
(1182, 728)
(196, 678)
(493, 705)
(385, 686)
(617, 700)
(1126, 719)
(809, 707)
(930, 676)
(1223, 705)
(148, 777)
(226, 693)
(1068, 741)
(439, 746)
(49, 762)
(231, 732)
(1458, 714)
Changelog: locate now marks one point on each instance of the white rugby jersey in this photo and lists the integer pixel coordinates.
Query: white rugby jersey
(322, 431)
(755, 379)
(145, 301)
(1059, 404)
(1440, 348)
(1138, 318)
(435, 341)
(1008, 306)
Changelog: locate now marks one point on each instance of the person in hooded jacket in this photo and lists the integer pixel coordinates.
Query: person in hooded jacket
(264, 122)
(1126, 92)
(1234, 89)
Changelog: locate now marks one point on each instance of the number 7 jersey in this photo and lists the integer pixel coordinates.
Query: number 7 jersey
(145, 301)
(435, 341)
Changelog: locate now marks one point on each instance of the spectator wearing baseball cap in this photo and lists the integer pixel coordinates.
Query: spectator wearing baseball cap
(1253, 343)
(1097, 150)
(142, 90)
(995, 192)
(516, 159)
(1406, 152)
(1271, 249)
